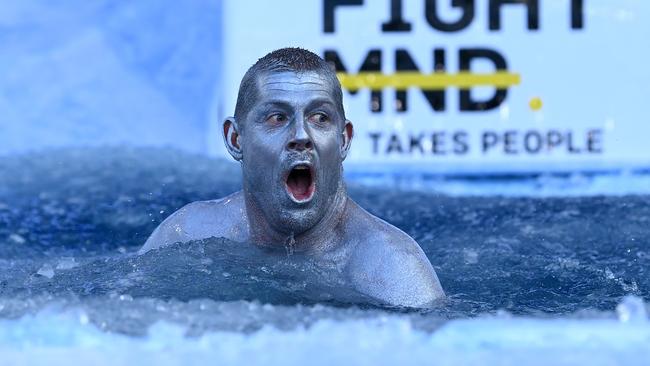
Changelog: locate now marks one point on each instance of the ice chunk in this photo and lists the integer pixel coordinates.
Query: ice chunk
(470, 256)
(66, 263)
(15, 238)
(46, 271)
(631, 309)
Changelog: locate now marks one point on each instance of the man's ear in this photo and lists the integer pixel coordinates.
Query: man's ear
(348, 133)
(231, 138)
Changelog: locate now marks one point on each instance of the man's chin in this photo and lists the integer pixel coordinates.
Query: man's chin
(298, 219)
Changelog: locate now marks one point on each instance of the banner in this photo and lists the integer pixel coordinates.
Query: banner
(467, 86)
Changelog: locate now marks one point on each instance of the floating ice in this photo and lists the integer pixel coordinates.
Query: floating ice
(66, 263)
(67, 338)
(632, 309)
(46, 271)
(470, 255)
(18, 239)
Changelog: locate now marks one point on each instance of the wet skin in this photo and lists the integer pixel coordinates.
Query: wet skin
(291, 144)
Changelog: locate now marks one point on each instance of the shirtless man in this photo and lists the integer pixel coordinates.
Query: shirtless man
(291, 136)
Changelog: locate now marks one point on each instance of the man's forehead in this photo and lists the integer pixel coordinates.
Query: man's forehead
(308, 81)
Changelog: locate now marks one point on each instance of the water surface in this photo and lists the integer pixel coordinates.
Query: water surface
(71, 221)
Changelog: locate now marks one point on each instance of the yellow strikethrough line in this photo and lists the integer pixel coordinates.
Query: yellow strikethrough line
(438, 80)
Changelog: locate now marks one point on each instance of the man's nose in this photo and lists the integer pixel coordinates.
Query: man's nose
(301, 139)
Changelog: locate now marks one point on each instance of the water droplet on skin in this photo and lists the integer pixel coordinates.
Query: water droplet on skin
(289, 245)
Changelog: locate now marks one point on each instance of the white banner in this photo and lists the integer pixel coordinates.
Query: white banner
(467, 86)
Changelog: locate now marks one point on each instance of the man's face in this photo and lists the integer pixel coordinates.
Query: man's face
(291, 143)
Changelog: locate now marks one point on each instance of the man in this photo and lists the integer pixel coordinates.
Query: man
(291, 136)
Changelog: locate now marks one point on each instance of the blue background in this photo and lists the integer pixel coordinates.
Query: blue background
(105, 72)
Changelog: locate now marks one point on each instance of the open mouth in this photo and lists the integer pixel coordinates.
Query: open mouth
(300, 183)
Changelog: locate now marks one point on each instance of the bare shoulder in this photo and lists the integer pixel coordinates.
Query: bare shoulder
(389, 265)
(223, 217)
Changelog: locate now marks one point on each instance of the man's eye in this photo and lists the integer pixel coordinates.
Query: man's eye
(276, 118)
(319, 118)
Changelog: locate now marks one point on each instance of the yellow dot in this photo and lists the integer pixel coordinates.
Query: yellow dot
(535, 104)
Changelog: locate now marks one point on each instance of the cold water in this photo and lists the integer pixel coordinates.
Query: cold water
(71, 221)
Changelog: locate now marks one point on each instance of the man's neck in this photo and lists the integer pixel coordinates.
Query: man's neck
(317, 238)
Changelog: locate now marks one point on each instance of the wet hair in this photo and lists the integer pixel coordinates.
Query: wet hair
(290, 59)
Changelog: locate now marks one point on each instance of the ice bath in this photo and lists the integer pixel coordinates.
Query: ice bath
(522, 274)
(508, 138)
